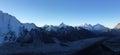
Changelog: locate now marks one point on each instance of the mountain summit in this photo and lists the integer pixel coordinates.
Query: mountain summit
(62, 25)
(117, 26)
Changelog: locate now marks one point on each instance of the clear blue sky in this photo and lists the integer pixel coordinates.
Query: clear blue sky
(71, 12)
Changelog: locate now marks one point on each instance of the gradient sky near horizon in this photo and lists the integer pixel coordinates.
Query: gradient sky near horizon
(71, 12)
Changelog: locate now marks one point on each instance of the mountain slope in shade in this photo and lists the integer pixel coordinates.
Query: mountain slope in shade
(117, 26)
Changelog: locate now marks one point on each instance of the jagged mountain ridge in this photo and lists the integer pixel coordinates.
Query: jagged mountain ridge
(10, 26)
(98, 28)
(93, 28)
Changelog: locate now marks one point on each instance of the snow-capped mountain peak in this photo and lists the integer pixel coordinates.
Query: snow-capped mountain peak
(88, 27)
(62, 25)
(117, 26)
(98, 28)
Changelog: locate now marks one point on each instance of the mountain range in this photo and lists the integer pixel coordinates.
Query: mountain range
(28, 34)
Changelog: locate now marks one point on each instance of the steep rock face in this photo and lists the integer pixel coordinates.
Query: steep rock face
(9, 23)
(11, 28)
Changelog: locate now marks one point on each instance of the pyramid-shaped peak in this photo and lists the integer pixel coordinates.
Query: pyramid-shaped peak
(63, 25)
